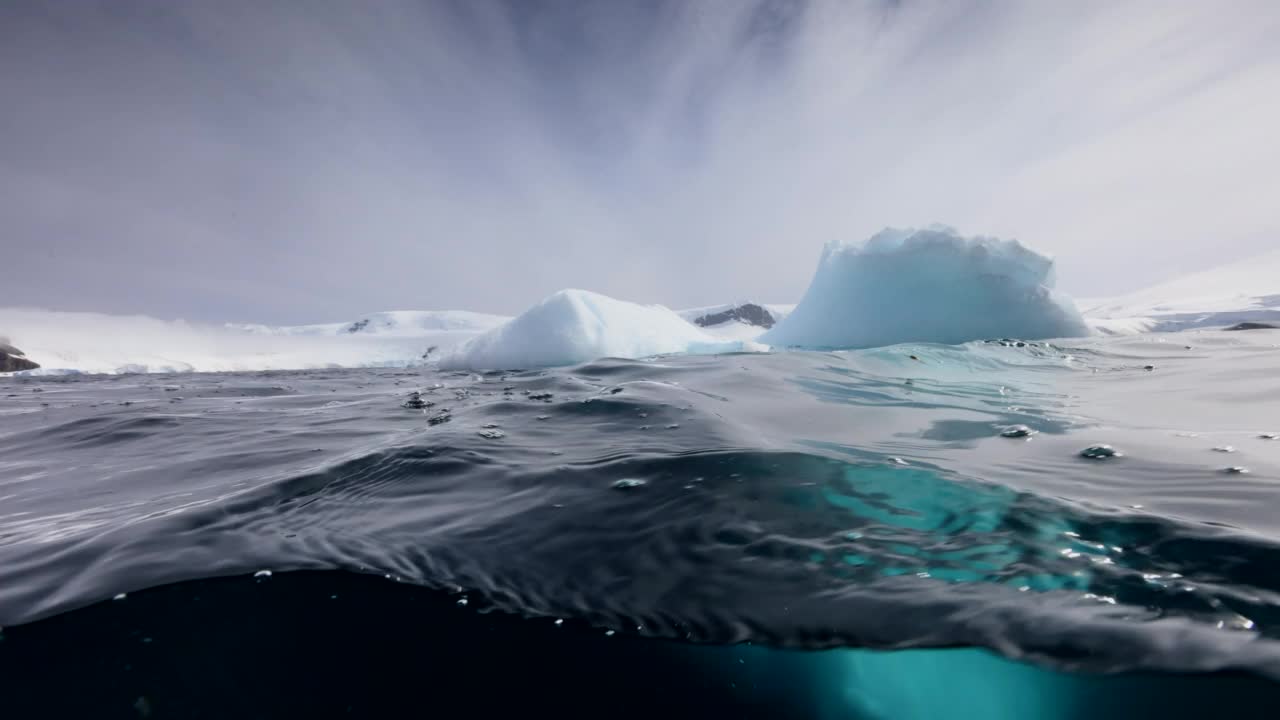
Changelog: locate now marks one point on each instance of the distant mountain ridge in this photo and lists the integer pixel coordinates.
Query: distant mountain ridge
(1247, 291)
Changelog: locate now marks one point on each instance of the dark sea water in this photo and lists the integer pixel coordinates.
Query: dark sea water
(792, 535)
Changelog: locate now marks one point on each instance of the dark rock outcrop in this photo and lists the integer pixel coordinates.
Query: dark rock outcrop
(12, 359)
(1253, 326)
(749, 313)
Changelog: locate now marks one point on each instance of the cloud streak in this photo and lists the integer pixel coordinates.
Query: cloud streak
(262, 161)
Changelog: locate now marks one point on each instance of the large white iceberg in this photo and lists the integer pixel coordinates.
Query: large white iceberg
(574, 326)
(930, 285)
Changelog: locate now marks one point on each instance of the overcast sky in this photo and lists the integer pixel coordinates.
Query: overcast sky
(313, 161)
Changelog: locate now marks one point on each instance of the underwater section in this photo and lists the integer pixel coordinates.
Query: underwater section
(338, 645)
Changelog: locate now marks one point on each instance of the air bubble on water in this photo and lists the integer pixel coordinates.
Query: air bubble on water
(1100, 452)
(1236, 470)
(1224, 449)
(462, 602)
(627, 483)
(491, 434)
(608, 633)
(897, 461)
(1017, 431)
(673, 426)
(120, 596)
(262, 574)
(1269, 436)
(559, 622)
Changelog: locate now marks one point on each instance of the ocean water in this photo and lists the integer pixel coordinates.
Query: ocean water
(798, 535)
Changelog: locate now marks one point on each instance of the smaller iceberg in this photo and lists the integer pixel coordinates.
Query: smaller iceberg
(930, 285)
(575, 326)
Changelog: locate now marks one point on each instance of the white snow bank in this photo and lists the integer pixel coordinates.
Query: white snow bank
(574, 326)
(927, 285)
(96, 343)
(394, 322)
(1246, 291)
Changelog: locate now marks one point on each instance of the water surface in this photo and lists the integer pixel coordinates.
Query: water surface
(766, 531)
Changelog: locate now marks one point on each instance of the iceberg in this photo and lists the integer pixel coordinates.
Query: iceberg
(575, 326)
(930, 285)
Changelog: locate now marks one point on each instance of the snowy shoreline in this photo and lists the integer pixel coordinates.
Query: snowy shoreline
(929, 285)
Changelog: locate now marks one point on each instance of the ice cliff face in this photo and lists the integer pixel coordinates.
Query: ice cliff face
(930, 285)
